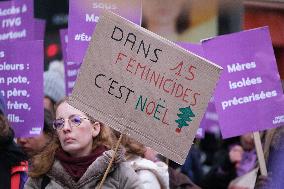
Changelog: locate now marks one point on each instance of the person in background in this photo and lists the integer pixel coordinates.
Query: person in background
(54, 91)
(34, 145)
(177, 180)
(225, 164)
(274, 155)
(208, 146)
(249, 157)
(79, 156)
(192, 166)
(235, 160)
(54, 85)
(13, 162)
(153, 174)
(274, 152)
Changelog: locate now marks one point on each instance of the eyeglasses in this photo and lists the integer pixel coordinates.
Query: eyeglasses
(73, 120)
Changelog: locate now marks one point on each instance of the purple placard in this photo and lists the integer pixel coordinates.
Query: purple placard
(83, 16)
(21, 83)
(71, 71)
(248, 96)
(210, 121)
(210, 118)
(64, 40)
(195, 48)
(16, 18)
(71, 68)
(39, 29)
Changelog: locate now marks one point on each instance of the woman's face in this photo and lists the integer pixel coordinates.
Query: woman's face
(33, 145)
(76, 135)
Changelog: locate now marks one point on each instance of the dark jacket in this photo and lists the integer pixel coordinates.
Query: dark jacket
(179, 180)
(10, 157)
(192, 166)
(221, 174)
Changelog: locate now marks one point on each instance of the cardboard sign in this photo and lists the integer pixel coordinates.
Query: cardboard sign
(210, 119)
(248, 96)
(84, 15)
(21, 83)
(144, 85)
(39, 29)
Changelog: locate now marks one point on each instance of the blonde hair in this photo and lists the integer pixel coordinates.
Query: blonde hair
(133, 147)
(43, 162)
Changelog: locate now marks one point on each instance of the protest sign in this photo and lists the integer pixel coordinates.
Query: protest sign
(71, 71)
(71, 68)
(195, 48)
(63, 41)
(210, 122)
(248, 96)
(16, 18)
(210, 119)
(39, 29)
(144, 85)
(21, 84)
(84, 15)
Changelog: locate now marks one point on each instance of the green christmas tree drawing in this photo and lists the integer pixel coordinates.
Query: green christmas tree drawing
(184, 117)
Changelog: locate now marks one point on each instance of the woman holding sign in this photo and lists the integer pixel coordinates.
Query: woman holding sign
(80, 155)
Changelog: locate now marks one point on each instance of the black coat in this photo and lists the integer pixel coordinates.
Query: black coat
(221, 174)
(10, 155)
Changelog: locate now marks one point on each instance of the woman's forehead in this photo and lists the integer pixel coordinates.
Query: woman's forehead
(66, 110)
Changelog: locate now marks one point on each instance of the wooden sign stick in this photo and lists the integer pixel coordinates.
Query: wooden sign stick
(111, 161)
(259, 152)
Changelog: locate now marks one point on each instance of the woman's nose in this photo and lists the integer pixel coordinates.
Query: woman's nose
(66, 127)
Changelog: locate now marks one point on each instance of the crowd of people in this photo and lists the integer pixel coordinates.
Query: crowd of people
(75, 150)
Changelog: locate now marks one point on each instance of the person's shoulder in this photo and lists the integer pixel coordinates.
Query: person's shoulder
(124, 167)
(33, 183)
(143, 164)
(126, 176)
(151, 173)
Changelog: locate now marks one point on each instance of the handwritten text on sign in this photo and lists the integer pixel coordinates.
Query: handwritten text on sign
(134, 80)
